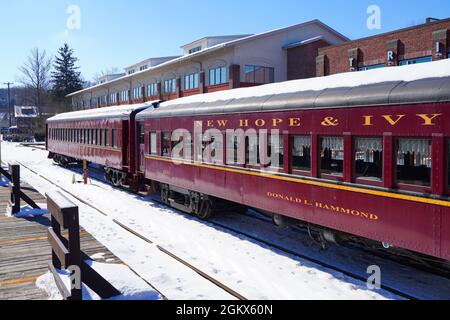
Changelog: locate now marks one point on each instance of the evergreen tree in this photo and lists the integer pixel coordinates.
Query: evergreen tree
(65, 79)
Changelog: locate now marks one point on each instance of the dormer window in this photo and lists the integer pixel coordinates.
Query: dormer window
(131, 71)
(142, 68)
(196, 49)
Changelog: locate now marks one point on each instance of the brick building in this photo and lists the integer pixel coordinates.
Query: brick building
(216, 63)
(418, 44)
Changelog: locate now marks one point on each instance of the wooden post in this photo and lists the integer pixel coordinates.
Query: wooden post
(1, 140)
(85, 172)
(14, 187)
(66, 252)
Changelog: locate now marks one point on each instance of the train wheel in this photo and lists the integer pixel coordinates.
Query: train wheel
(64, 162)
(115, 179)
(205, 210)
(165, 193)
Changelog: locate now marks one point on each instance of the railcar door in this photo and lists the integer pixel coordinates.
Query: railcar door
(125, 146)
(141, 147)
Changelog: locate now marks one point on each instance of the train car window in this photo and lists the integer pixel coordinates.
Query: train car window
(277, 149)
(448, 166)
(332, 156)
(153, 148)
(165, 144)
(199, 146)
(107, 142)
(233, 143)
(95, 139)
(252, 150)
(180, 143)
(301, 153)
(369, 158)
(214, 152)
(115, 138)
(414, 161)
(141, 134)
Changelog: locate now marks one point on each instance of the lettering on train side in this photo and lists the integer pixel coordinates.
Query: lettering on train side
(428, 119)
(325, 206)
(328, 121)
(391, 121)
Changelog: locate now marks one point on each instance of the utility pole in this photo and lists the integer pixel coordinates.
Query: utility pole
(9, 102)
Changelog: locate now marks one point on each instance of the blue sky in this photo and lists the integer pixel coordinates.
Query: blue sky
(117, 33)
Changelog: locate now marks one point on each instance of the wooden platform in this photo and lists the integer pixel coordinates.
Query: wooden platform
(25, 252)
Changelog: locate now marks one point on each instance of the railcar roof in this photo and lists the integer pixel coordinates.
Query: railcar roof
(102, 113)
(427, 82)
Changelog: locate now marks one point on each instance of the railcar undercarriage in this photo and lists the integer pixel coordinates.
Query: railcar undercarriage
(198, 204)
(61, 160)
(204, 206)
(116, 177)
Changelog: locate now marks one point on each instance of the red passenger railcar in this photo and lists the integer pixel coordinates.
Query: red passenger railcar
(355, 161)
(103, 136)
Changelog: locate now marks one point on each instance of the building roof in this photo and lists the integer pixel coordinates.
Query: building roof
(149, 60)
(25, 112)
(218, 47)
(302, 43)
(427, 82)
(238, 36)
(388, 33)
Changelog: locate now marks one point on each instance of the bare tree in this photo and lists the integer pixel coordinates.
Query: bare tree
(36, 75)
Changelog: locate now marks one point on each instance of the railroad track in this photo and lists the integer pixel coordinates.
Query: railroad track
(142, 237)
(260, 240)
(34, 146)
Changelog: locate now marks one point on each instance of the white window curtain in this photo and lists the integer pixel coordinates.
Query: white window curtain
(300, 143)
(333, 143)
(419, 149)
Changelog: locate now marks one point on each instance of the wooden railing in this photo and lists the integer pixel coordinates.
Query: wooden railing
(67, 254)
(16, 194)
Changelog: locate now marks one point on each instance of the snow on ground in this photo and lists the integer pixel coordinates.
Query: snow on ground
(253, 270)
(29, 212)
(120, 276)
